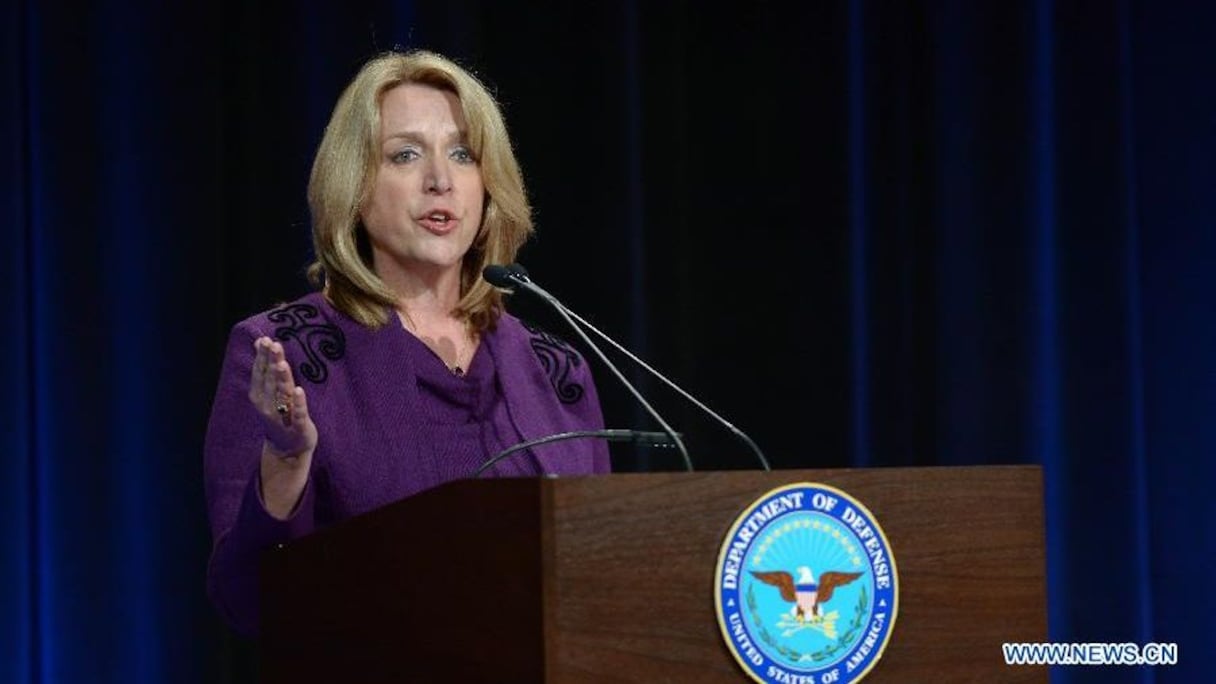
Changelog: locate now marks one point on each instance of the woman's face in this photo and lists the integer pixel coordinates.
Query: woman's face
(426, 202)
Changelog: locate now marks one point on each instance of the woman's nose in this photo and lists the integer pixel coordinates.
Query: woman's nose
(438, 179)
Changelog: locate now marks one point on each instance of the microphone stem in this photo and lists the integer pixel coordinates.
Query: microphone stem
(565, 313)
(611, 435)
(729, 426)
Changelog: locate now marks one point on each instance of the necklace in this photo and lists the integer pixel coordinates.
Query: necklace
(456, 368)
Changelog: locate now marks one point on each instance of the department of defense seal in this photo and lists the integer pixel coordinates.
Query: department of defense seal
(805, 589)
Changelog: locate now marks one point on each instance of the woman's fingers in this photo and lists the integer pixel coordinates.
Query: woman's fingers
(299, 406)
(257, 375)
(274, 394)
(284, 388)
(271, 386)
(269, 382)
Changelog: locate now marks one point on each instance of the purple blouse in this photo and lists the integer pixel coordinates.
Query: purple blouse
(392, 420)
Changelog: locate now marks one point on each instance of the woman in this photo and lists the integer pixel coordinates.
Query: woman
(403, 371)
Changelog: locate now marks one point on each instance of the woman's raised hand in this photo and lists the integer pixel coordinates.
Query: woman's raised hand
(291, 436)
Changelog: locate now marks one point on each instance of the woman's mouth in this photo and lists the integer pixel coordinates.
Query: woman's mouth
(438, 222)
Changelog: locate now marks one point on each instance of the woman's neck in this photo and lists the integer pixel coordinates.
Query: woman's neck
(424, 295)
(425, 308)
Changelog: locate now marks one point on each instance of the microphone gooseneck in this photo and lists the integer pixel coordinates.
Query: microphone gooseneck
(518, 277)
(511, 272)
(635, 436)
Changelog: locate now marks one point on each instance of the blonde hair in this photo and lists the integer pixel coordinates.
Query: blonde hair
(344, 173)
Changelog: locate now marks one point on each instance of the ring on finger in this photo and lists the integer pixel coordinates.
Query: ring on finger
(283, 405)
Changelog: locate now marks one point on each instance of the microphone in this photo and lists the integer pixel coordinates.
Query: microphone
(636, 436)
(503, 277)
(500, 276)
(512, 273)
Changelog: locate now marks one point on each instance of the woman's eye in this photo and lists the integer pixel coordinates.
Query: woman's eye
(403, 156)
(463, 155)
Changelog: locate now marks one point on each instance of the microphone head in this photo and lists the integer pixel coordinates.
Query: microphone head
(498, 276)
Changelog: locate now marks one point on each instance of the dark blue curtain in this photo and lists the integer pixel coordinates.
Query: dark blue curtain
(871, 234)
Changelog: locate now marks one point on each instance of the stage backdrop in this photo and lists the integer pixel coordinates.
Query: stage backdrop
(870, 234)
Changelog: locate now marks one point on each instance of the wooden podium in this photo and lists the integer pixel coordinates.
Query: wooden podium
(610, 579)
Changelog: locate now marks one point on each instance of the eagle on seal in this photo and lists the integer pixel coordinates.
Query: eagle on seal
(806, 594)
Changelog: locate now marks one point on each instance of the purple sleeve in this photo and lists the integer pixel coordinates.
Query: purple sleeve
(241, 528)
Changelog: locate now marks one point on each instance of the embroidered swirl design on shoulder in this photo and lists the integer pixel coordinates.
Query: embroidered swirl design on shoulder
(319, 341)
(559, 361)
